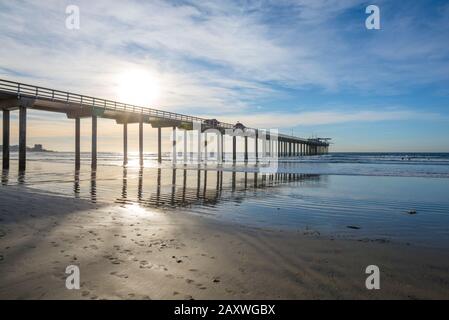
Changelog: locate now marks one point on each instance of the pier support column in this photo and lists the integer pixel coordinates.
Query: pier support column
(222, 137)
(219, 148)
(159, 145)
(94, 143)
(77, 144)
(199, 146)
(125, 144)
(174, 145)
(141, 141)
(205, 148)
(270, 147)
(256, 142)
(185, 146)
(246, 149)
(264, 145)
(6, 130)
(234, 149)
(22, 138)
(278, 147)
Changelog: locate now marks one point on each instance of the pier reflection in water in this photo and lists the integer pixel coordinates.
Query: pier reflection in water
(176, 188)
(328, 203)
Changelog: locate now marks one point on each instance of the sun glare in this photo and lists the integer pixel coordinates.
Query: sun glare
(138, 87)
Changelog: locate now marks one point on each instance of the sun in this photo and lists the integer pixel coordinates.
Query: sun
(138, 87)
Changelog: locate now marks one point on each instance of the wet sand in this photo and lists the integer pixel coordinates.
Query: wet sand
(129, 252)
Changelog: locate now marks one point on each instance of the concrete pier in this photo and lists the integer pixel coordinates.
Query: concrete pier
(93, 164)
(256, 142)
(77, 143)
(125, 143)
(174, 145)
(5, 145)
(222, 139)
(246, 150)
(22, 138)
(199, 147)
(234, 149)
(141, 141)
(18, 96)
(206, 156)
(159, 145)
(185, 147)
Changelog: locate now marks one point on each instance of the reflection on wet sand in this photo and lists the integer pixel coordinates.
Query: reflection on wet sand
(5, 177)
(76, 187)
(208, 190)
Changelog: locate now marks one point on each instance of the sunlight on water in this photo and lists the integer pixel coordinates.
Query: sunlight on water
(377, 207)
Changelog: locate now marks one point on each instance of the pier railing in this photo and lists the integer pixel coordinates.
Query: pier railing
(36, 92)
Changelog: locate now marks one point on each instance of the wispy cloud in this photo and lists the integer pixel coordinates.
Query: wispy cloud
(222, 57)
(220, 47)
(290, 120)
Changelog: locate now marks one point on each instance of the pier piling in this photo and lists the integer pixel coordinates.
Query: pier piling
(174, 144)
(185, 147)
(22, 138)
(256, 142)
(141, 141)
(234, 149)
(159, 145)
(94, 143)
(77, 143)
(246, 149)
(125, 143)
(5, 146)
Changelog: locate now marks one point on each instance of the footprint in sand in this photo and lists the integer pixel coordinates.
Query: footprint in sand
(122, 276)
(201, 286)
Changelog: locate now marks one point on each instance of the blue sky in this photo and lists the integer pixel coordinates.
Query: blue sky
(304, 66)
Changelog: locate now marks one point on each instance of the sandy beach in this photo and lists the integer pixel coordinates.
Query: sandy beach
(129, 252)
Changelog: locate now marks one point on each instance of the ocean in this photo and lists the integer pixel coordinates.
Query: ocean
(384, 197)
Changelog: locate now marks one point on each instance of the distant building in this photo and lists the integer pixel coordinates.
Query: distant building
(38, 148)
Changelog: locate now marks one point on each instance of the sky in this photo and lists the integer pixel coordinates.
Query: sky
(307, 67)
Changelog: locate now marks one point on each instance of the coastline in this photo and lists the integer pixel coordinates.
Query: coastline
(128, 252)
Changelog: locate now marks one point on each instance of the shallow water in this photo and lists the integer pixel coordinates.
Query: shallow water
(374, 164)
(364, 207)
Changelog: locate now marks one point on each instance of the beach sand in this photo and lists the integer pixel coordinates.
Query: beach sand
(127, 252)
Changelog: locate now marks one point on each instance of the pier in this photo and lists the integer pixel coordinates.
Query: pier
(19, 96)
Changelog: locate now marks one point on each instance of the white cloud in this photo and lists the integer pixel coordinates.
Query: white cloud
(220, 55)
(290, 120)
